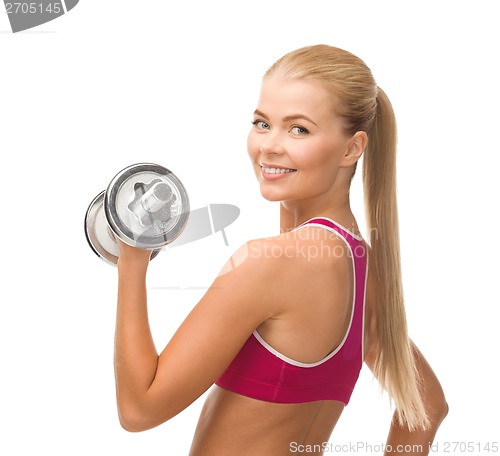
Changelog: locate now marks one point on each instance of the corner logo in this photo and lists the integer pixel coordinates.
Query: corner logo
(26, 15)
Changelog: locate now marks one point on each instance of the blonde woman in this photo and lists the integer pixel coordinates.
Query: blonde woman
(286, 326)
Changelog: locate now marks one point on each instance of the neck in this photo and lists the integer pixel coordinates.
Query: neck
(293, 213)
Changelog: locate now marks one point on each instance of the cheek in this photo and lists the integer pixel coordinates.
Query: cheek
(318, 156)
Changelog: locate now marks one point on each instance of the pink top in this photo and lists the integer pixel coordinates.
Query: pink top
(261, 372)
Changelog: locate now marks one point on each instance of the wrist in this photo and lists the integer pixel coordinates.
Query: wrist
(132, 266)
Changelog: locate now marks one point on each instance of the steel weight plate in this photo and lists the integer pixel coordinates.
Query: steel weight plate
(99, 235)
(146, 206)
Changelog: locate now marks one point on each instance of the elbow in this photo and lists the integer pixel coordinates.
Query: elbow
(138, 419)
(132, 421)
(438, 410)
(131, 425)
(443, 410)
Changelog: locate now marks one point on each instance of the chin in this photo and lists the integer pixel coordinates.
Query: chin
(270, 195)
(273, 195)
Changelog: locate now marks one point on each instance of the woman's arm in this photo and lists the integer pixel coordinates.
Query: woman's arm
(136, 358)
(153, 388)
(401, 440)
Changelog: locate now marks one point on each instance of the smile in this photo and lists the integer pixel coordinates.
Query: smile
(269, 170)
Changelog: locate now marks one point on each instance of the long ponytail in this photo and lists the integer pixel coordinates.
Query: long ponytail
(395, 366)
(365, 107)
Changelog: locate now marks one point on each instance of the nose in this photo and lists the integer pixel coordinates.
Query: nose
(271, 144)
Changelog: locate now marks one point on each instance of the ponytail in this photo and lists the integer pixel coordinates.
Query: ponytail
(394, 365)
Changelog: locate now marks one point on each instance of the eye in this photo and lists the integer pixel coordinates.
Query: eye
(260, 124)
(300, 131)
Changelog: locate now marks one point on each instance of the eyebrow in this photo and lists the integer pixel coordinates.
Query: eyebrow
(287, 118)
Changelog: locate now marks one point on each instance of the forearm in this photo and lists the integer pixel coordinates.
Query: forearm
(403, 442)
(418, 443)
(135, 357)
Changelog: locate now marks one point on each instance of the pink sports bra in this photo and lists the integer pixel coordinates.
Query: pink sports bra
(261, 372)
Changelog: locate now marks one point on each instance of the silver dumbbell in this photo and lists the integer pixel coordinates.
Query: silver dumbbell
(145, 206)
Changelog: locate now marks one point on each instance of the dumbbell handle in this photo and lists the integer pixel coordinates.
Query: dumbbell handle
(156, 197)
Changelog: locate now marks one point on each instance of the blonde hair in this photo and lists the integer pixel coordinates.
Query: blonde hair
(365, 107)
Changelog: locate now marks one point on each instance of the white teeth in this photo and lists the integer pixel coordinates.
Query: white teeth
(277, 170)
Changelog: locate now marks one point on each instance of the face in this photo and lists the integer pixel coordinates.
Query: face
(296, 144)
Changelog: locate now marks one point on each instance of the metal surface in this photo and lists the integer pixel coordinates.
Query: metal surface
(146, 206)
(99, 235)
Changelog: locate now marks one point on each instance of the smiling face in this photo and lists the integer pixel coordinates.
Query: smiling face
(297, 144)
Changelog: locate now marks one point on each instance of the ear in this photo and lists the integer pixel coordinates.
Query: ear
(355, 148)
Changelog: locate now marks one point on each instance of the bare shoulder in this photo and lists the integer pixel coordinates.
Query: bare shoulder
(255, 272)
(256, 256)
(306, 246)
(276, 269)
(313, 247)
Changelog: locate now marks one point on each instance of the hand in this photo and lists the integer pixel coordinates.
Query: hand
(132, 255)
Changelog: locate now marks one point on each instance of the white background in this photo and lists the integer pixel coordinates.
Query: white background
(118, 82)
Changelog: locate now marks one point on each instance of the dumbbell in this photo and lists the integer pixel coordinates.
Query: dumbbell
(145, 205)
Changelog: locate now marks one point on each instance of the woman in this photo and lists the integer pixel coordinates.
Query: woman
(285, 327)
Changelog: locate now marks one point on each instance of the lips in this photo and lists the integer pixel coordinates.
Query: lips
(275, 169)
(275, 172)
